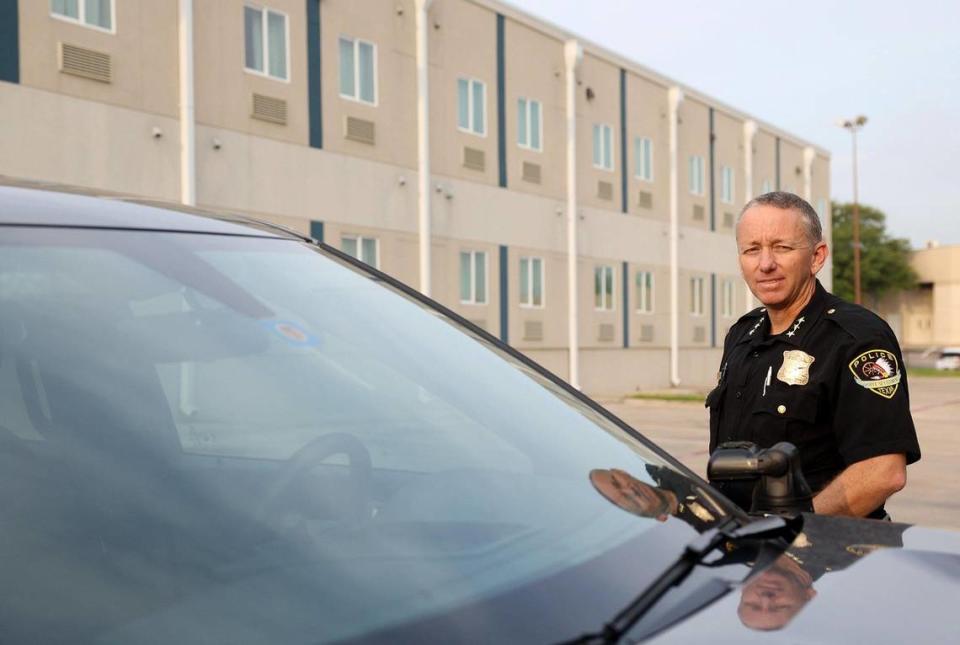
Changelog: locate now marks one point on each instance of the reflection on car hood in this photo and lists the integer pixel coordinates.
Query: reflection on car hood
(842, 580)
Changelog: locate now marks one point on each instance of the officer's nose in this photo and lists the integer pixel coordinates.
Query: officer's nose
(767, 261)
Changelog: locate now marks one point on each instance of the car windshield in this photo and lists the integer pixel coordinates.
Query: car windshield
(249, 439)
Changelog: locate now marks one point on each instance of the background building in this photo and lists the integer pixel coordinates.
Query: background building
(924, 318)
(305, 112)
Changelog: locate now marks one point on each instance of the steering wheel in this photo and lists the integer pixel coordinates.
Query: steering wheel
(357, 494)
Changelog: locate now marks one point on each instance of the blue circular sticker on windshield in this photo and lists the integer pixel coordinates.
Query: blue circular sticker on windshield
(292, 333)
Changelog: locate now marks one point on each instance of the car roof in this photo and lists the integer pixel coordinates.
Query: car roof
(31, 203)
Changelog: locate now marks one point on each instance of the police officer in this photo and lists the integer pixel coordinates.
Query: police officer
(811, 369)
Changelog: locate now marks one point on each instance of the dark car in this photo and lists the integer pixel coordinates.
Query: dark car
(215, 431)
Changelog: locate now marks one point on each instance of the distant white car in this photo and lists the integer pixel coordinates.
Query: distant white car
(949, 359)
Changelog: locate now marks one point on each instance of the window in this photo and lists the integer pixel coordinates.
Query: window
(645, 292)
(603, 288)
(93, 13)
(696, 296)
(727, 185)
(358, 70)
(531, 282)
(765, 187)
(643, 151)
(726, 299)
(471, 106)
(603, 146)
(365, 249)
(695, 175)
(529, 124)
(473, 277)
(265, 39)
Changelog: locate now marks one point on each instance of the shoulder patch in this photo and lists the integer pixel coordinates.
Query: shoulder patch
(878, 371)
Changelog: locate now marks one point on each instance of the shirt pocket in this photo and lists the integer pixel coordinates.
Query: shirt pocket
(786, 415)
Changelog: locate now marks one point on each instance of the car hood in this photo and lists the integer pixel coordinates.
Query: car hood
(842, 580)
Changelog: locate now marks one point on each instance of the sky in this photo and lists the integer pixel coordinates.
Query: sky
(804, 66)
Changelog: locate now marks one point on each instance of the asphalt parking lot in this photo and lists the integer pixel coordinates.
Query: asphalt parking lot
(932, 495)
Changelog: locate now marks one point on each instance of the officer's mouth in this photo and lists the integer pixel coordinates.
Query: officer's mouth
(770, 283)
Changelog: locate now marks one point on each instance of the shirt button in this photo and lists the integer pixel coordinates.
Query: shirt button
(756, 354)
(782, 409)
(739, 394)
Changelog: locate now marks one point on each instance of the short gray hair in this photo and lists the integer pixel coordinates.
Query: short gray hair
(789, 201)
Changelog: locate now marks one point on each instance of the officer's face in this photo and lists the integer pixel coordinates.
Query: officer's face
(777, 260)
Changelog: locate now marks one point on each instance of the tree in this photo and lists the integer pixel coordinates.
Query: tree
(884, 260)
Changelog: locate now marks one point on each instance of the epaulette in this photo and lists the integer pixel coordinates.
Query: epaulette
(855, 320)
(753, 313)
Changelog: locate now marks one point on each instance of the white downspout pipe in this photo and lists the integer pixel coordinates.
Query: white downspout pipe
(572, 55)
(675, 98)
(749, 132)
(188, 176)
(808, 155)
(423, 146)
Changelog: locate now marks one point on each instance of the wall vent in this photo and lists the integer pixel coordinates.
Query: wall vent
(87, 63)
(605, 332)
(645, 200)
(646, 333)
(474, 159)
(531, 172)
(268, 108)
(699, 334)
(359, 130)
(698, 212)
(533, 330)
(604, 190)
(728, 219)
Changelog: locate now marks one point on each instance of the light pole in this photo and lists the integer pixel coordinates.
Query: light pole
(854, 125)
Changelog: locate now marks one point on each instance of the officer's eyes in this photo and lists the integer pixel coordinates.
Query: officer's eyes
(753, 250)
(782, 248)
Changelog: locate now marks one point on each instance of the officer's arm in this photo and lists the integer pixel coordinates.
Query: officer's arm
(863, 486)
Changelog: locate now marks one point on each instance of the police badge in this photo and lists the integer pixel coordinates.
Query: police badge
(796, 367)
(877, 371)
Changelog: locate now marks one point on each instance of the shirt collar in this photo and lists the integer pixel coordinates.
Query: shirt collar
(795, 333)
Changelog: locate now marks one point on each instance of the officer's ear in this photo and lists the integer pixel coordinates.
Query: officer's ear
(820, 254)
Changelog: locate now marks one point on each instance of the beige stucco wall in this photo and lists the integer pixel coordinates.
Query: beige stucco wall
(142, 47)
(728, 148)
(224, 89)
(764, 161)
(603, 79)
(791, 167)
(694, 139)
(647, 116)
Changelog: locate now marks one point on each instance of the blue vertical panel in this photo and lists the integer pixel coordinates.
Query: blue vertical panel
(623, 140)
(501, 102)
(314, 74)
(713, 178)
(626, 305)
(9, 41)
(776, 164)
(713, 310)
(504, 300)
(316, 230)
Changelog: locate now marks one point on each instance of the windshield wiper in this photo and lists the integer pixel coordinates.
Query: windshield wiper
(729, 532)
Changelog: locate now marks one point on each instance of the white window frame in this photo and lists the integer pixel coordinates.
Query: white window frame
(265, 11)
(765, 187)
(472, 300)
(606, 136)
(643, 172)
(695, 175)
(356, 71)
(81, 11)
(643, 293)
(526, 145)
(532, 260)
(605, 270)
(359, 239)
(728, 180)
(727, 296)
(696, 296)
(470, 83)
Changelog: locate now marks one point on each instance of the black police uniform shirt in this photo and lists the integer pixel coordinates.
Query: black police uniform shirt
(832, 384)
